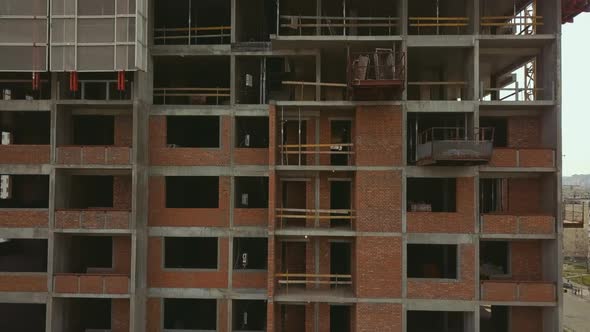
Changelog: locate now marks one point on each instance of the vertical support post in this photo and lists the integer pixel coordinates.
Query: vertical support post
(190, 11)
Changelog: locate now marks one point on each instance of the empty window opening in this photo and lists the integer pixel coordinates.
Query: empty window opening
(292, 318)
(250, 253)
(190, 252)
(93, 130)
(493, 195)
(249, 315)
(339, 318)
(294, 134)
(340, 201)
(293, 257)
(19, 86)
(13, 314)
(494, 259)
(24, 191)
(493, 318)
(192, 22)
(250, 80)
(251, 192)
(277, 71)
(500, 126)
(439, 321)
(201, 80)
(192, 192)
(252, 132)
(340, 262)
(432, 194)
(192, 131)
(340, 131)
(294, 197)
(432, 261)
(85, 254)
(255, 20)
(96, 86)
(87, 314)
(89, 192)
(190, 314)
(426, 127)
(23, 255)
(26, 128)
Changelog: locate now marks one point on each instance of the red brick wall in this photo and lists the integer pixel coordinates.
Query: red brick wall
(25, 154)
(462, 289)
(27, 282)
(120, 315)
(378, 139)
(526, 260)
(122, 189)
(24, 218)
(174, 278)
(524, 195)
(378, 200)
(124, 130)
(251, 156)
(524, 132)
(122, 255)
(382, 317)
(249, 279)
(161, 155)
(526, 319)
(153, 314)
(378, 267)
(461, 221)
(159, 215)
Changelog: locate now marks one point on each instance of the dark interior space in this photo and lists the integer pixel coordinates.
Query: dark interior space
(32, 128)
(13, 314)
(340, 258)
(90, 191)
(19, 86)
(251, 192)
(250, 80)
(294, 133)
(250, 253)
(339, 318)
(437, 261)
(190, 314)
(24, 192)
(492, 195)
(493, 259)
(340, 199)
(85, 314)
(293, 257)
(93, 130)
(23, 255)
(96, 86)
(431, 194)
(200, 80)
(292, 318)
(252, 132)
(276, 73)
(418, 123)
(294, 196)
(255, 20)
(500, 126)
(86, 254)
(209, 21)
(493, 318)
(190, 252)
(435, 321)
(438, 8)
(248, 315)
(340, 131)
(197, 192)
(192, 131)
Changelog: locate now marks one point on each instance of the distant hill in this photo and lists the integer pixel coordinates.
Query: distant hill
(582, 180)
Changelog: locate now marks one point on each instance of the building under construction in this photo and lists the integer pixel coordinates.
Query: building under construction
(281, 165)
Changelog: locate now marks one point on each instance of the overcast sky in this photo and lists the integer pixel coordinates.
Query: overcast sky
(576, 95)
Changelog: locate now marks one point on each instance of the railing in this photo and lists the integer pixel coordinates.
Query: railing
(437, 23)
(484, 134)
(574, 214)
(343, 26)
(335, 149)
(98, 90)
(511, 25)
(512, 94)
(13, 89)
(298, 279)
(454, 90)
(383, 64)
(191, 36)
(194, 96)
(314, 214)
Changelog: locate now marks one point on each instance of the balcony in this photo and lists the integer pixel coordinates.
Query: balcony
(377, 75)
(94, 155)
(73, 283)
(95, 219)
(518, 157)
(23, 282)
(517, 291)
(315, 219)
(25, 154)
(24, 218)
(25, 137)
(517, 224)
(452, 146)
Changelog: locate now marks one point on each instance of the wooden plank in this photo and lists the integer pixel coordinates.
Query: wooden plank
(338, 85)
(431, 18)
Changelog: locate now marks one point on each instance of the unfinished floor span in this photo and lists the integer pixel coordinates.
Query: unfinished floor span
(281, 165)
